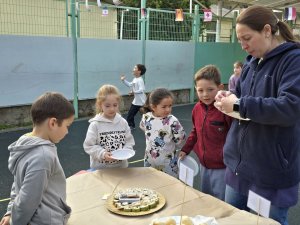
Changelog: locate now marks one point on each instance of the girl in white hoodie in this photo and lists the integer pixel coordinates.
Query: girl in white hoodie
(108, 131)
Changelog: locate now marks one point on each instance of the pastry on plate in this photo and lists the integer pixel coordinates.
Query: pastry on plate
(169, 221)
(185, 220)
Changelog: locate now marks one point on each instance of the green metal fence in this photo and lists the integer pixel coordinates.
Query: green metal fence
(53, 18)
(161, 25)
(124, 23)
(107, 22)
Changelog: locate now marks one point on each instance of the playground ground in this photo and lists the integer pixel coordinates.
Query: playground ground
(73, 158)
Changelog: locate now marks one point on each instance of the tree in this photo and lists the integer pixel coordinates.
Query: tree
(164, 4)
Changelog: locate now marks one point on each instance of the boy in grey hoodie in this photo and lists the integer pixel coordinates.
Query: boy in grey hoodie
(38, 192)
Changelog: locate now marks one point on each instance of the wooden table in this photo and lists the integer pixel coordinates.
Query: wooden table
(85, 192)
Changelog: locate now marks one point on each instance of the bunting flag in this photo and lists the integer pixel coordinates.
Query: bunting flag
(290, 13)
(104, 11)
(178, 15)
(207, 15)
(143, 13)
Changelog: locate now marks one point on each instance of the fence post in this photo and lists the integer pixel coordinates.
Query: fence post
(138, 24)
(143, 29)
(67, 18)
(148, 24)
(196, 25)
(78, 22)
(233, 35)
(218, 27)
(75, 63)
(143, 17)
(196, 32)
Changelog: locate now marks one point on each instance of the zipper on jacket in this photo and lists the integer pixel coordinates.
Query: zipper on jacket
(244, 131)
(252, 83)
(253, 77)
(202, 130)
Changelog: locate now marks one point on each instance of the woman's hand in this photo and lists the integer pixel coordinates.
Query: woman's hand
(224, 101)
(227, 103)
(122, 77)
(5, 220)
(221, 94)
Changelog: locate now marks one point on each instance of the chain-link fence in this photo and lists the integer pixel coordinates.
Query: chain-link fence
(33, 17)
(53, 18)
(162, 26)
(108, 22)
(123, 23)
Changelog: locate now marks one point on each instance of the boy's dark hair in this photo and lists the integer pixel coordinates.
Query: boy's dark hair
(208, 72)
(155, 97)
(51, 104)
(141, 68)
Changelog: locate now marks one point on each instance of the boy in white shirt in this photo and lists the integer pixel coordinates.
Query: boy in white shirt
(137, 86)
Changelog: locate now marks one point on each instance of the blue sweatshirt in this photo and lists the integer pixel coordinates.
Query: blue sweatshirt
(266, 150)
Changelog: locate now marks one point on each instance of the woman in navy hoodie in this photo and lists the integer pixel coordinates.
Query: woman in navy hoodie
(263, 153)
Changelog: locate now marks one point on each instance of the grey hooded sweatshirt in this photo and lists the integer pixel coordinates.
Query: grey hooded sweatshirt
(38, 192)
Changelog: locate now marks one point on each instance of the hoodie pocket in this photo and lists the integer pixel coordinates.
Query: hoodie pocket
(66, 218)
(67, 210)
(66, 207)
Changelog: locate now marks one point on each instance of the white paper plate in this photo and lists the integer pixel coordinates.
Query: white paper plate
(196, 220)
(191, 163)
(233, 114)
(122, 154)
